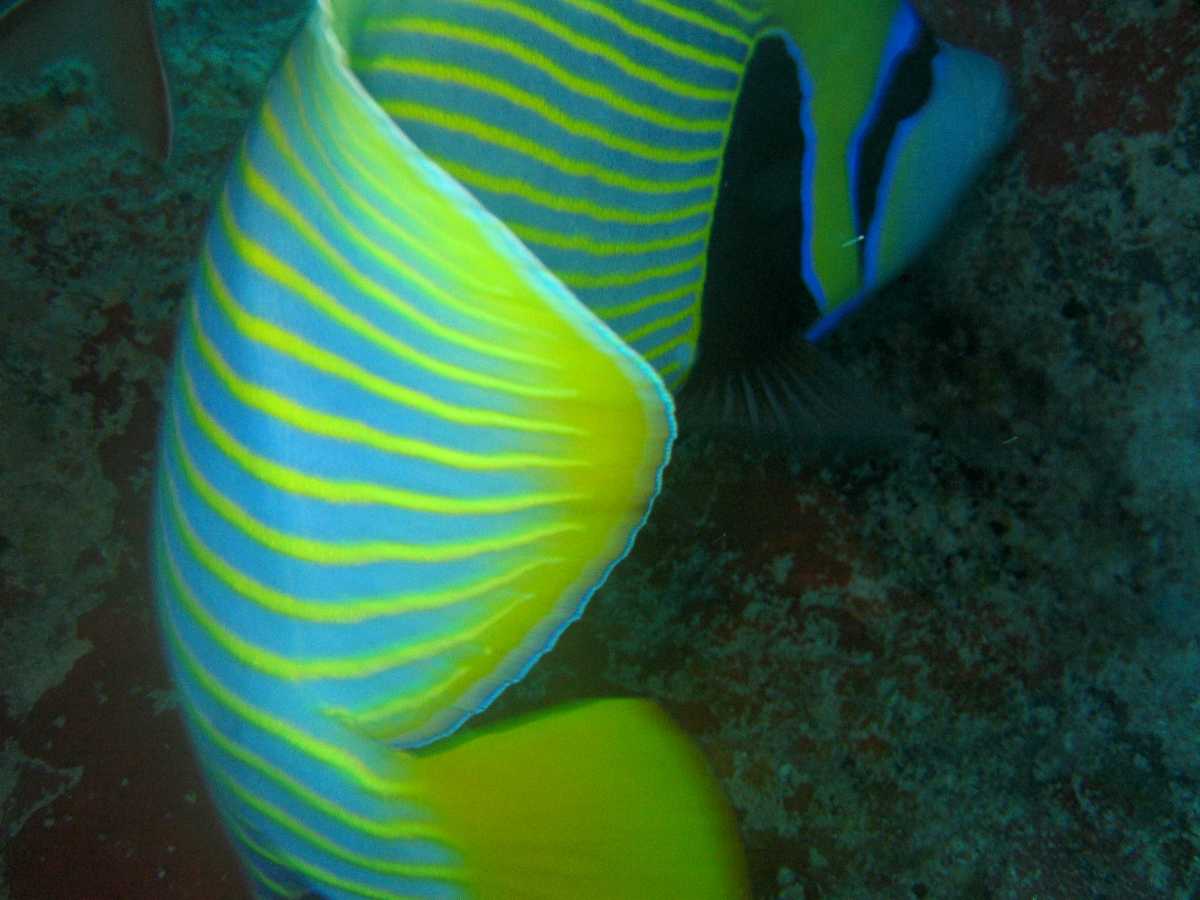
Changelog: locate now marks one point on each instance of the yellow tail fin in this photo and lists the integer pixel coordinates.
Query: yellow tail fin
(605, 799)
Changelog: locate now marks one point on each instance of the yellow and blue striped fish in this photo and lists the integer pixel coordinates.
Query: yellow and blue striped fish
(421, 404)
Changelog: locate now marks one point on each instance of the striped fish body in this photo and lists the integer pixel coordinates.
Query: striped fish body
(419, 408)
(397, 458)
(595, 131)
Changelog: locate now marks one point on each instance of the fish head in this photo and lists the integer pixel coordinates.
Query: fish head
(937, 154)
(895, 126)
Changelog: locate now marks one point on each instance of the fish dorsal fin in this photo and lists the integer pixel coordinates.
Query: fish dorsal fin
(117, 37)
(966, 120)
(399, 454)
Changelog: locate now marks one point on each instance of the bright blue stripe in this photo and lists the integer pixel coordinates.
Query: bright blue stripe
(309, 120)
(633, 265)
(886, 180)
(500, 112)
(808, 128)
(651, 53)
(327, 456)
(535, 80)
(662, 336)
(316, 581)
(606, 297)
(282, 635)
(903, 37)
(332, 395)
(662, 310)
(828, 322)
(317, 777)
(319, 328)
(321, 520)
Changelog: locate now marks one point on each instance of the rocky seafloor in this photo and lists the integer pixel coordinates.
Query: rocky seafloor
(963, 666)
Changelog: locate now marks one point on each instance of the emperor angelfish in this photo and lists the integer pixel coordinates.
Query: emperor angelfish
(419, 408)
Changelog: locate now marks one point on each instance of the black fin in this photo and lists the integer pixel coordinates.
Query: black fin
(756, 379)
(798, 396)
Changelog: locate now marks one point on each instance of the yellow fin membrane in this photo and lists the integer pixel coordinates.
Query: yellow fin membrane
(606, 800)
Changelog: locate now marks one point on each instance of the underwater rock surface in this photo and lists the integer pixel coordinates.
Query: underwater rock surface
(964, 666)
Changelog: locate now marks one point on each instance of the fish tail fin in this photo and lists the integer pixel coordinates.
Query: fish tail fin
(602, 799)
(117, 37)
(133, 75)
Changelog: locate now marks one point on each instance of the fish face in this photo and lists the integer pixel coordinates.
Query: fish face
(937, 154)
(880, 183)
